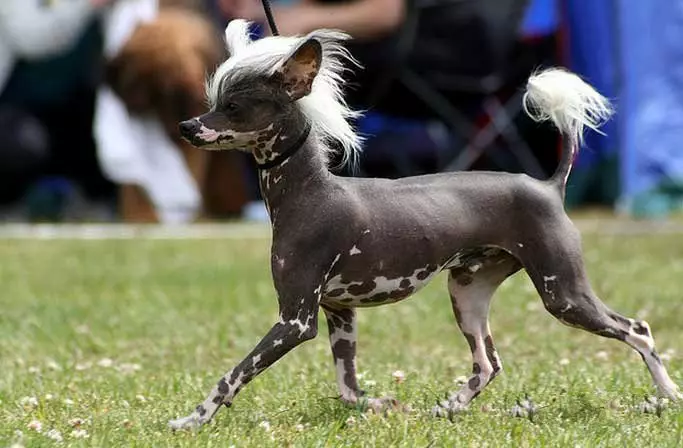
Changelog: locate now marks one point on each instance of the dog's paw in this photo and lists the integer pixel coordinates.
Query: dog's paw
(448, 409)
(525, 408)
(192, 421)
(653, 405)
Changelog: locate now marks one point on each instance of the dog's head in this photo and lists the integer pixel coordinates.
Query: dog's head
(161, 70)
(271, 87)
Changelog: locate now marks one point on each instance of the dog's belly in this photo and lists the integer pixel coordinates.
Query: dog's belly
(376, 290)
(350, 290)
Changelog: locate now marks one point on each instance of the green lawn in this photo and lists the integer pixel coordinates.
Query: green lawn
(126, 335)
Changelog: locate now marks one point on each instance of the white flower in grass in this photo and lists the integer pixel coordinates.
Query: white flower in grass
(49, 397)
(351, 420)
(76, 422)
(29, 402)
(82, 329)
(68, 401)
(33, 369)
(53, 365)
(399, 376)
(128, 368)
(79, 434)
(54, 435)
(564, 362)
(141, 398)
(35, 425)
(105, 362)
(299, 427)
(265, 424)
(668, 354)
(83, 366)
(602, 355)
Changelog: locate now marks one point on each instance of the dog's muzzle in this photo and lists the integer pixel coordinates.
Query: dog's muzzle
(189, 128)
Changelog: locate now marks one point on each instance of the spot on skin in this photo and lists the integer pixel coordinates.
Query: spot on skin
(362, 289)
(471, 342)
(422, 275)
(549, 278)
(223, 386)
(336, 292)
(277, 342)
(366, 231)
(491, 353)
(255, 360)
(474, 383)
(354, 251)
(464, 279)
(404, 283)
(520, 245)
(476, 368)
(640, 329)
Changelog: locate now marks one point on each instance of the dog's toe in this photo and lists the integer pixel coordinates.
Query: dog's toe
(185, 423)
(448, 408)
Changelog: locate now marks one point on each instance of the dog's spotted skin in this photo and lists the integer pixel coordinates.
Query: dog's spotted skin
(342, 243)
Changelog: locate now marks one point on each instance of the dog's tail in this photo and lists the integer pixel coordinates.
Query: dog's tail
(571, 104)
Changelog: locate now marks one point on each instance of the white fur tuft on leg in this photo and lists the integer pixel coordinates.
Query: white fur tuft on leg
(568, 101)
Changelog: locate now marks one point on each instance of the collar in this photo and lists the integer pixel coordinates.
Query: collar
(287, 153)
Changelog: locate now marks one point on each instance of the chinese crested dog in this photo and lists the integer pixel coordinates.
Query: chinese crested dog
(346, 243)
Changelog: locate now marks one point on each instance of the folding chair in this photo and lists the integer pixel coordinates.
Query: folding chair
(458, 95)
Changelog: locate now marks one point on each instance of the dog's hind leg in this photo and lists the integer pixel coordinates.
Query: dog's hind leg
(471, 289)
(292, 329)
(555, 265)
(341, 323)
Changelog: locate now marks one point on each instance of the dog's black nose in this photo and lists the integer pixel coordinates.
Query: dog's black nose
(189, 128)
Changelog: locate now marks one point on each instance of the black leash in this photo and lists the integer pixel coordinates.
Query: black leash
(269, 16)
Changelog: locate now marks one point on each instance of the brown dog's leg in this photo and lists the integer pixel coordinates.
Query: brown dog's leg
(135, 206)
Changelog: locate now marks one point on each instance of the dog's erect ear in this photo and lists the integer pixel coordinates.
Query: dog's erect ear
(237, 36)
(300, 69)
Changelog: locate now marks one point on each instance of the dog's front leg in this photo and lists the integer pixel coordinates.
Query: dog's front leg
(294, 327)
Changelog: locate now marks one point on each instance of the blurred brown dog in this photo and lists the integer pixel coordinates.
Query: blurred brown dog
(162, 70)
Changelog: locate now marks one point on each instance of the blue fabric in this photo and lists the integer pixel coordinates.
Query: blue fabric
(593, 54)
(631, 52)
(541, 18)
(652, 104)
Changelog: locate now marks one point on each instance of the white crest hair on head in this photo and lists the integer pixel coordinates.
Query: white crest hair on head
(325, 107)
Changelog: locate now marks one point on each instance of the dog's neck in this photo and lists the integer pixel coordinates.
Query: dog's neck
(306, 167)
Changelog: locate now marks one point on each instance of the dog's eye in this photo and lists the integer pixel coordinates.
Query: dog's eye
(231, 107)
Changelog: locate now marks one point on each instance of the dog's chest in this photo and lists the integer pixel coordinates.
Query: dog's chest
(374, 290)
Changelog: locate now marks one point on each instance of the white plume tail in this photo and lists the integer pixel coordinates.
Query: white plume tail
(571, 104)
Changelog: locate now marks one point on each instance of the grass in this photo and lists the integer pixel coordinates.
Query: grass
(126, 335)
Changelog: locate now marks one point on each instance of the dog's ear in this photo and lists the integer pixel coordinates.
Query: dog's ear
(237, 36)
(300, 69)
